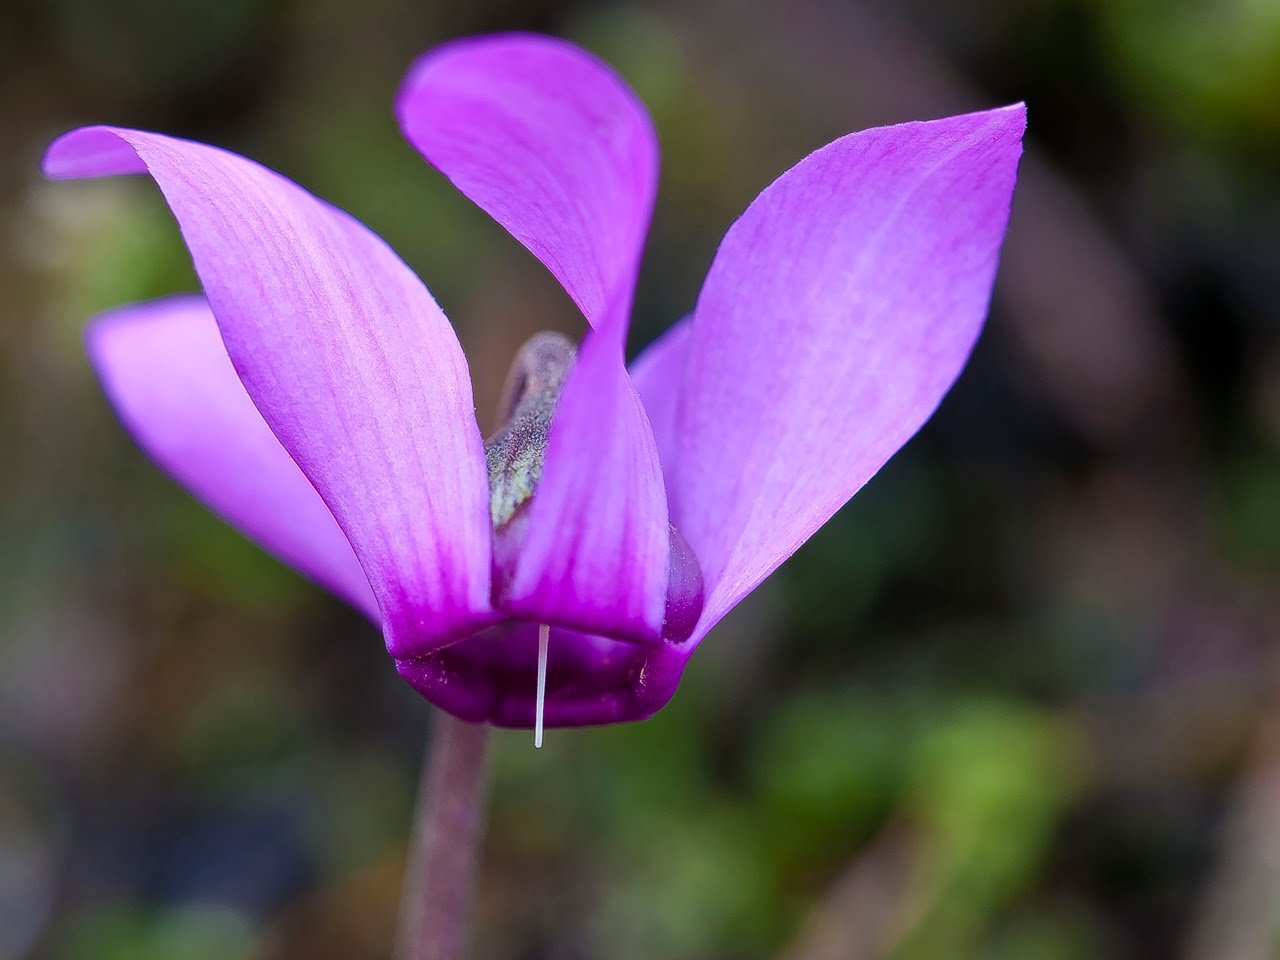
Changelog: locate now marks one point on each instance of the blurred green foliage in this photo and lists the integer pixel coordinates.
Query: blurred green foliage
(1208, 69)
(190, 933)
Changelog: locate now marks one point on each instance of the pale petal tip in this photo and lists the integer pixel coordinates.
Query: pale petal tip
(95, 151)
(419, 74)
(1007, 122)
(100, 328)
(1016, 115)
(55, 164)
(427, 68)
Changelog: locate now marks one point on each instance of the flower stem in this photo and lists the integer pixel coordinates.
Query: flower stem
(448, 827)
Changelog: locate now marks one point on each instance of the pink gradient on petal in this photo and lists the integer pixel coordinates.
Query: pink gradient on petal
(349, 360)
(551, 143)
(164, 368)
(658, 373)
(838, 311)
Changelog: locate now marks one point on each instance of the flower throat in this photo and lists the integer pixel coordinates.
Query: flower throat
(515, 453)
(514, 456)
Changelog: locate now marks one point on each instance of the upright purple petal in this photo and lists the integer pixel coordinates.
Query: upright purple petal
(350, 362)
(166, 372)
(552, 144)
(837, 313)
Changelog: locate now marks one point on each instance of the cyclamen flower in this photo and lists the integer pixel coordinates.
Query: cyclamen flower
(317, 398)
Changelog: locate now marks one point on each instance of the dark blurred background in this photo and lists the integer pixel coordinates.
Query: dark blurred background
(1018, 700)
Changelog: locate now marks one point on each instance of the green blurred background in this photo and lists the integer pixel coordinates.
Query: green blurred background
(1018, 700)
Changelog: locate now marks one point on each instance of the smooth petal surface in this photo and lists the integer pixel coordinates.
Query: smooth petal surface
(596, 550)
(837, 313)
(350, 362)
(552, 144)
(166, 372)
(658, 373)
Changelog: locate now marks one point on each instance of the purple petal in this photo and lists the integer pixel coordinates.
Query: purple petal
(166, 372)
(552, 144)
(596, 550)
(350, 362)
(658, 374)
(838, 312)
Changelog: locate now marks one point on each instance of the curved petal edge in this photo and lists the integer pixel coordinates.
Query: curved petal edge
(837, 313)
(550, 142)
(350, 362)
(164, 369)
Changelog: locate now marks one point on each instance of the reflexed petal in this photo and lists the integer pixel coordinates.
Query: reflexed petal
(166, 372)
(596, 550)
(837, 313)
(350, 362)
(552, 144)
